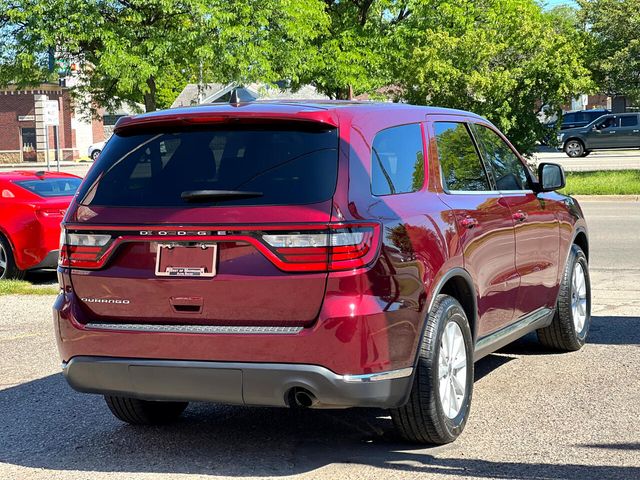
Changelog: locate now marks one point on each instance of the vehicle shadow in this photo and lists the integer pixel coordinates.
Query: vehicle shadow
(604, 330)
(42, 277)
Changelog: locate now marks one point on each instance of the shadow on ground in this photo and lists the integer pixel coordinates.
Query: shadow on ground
(46, 425)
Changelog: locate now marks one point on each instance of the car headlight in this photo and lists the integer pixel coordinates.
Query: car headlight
(560, 137)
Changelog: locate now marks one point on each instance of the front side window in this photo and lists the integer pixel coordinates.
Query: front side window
(607, 122)
(509, 171)
(461, 167)
(397, 160)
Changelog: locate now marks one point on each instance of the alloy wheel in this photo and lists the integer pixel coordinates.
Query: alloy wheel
(579, 298)
(452, 370)
(573, 149)
(3, 261)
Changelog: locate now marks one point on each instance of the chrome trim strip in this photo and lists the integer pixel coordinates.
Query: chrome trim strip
(376, 377)
(488, 192)
(208, 329)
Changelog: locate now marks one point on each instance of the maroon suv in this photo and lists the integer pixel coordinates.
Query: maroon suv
(318, 255)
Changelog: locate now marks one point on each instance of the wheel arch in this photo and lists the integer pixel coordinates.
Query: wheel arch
(457, 283)
(580, 239)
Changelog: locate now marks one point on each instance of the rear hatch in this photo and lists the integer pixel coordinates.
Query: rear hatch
(190, 225)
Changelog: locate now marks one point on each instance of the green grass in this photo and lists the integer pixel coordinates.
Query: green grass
(20, 287)
(603, 182)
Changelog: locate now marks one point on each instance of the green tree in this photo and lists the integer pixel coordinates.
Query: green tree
(133, 50)
(614, 53)
(504, 59)
(352, 55)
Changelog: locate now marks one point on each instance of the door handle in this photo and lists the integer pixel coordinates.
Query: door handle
(469, 222)
(612, 132)
(520, 216)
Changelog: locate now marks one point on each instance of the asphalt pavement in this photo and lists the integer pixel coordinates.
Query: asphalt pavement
(535, 414)
(598, 160)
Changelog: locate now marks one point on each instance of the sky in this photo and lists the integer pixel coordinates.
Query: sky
(553, 3)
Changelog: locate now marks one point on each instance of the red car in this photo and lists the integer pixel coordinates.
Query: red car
(32, 205)
(320, 255)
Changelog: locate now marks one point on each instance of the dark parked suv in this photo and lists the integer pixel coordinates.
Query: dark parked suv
(607, 132)
(320, 255)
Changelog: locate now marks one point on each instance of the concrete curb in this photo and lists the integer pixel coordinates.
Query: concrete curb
(607, 198)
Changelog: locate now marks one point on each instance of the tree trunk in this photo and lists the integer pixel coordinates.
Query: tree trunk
(150, 96)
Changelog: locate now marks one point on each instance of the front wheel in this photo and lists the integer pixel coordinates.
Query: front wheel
(570, 326)
(144, 412)
(574, 148)
(95, 154)
(440, 398)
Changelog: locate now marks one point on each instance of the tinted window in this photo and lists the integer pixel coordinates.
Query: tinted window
(397, 160)
(51, 187)
(508, 170)
(629, 121)
(288, 166)
(569, 118)
(460, 164)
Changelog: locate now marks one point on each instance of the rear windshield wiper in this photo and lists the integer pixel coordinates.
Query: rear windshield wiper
(216, 195)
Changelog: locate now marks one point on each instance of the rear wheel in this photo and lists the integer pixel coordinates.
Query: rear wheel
(440, 398)
(95, 154)
(144, 412)
(574, 148)
(570, 326)
(8, 268)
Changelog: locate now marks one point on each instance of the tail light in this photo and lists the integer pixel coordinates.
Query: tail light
(82, 250)
(341, 247)
(333, 247)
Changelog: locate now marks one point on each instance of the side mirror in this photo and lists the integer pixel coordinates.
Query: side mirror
(551, 177)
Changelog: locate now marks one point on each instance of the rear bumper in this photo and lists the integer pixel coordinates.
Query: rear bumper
(50, 261)
(271, 384)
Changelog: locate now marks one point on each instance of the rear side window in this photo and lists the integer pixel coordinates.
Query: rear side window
(286, 166)
(629, 121)
(51, 187)
(461, 167)
(397, 160)
(509, 171)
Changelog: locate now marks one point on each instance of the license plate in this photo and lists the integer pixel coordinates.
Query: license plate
(180, 260)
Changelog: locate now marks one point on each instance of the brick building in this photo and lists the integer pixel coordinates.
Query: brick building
(23, 134)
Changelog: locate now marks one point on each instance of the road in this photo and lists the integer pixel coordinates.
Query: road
(535, 415)
(600, 160)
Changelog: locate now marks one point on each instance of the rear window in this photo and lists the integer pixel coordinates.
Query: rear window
(287, 166)
(51, 187)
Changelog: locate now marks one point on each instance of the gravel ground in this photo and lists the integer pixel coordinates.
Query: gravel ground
(535, 414)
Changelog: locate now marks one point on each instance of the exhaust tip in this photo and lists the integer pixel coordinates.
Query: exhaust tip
(302, 398)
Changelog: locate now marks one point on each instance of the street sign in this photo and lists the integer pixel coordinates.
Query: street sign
(51, 114)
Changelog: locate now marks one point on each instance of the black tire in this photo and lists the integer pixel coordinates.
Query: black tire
(8, 268)
(95, 154)
(144, 412)
(563, 332)
(574, 148)
(422, 419)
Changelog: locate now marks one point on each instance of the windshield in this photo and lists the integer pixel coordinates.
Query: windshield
(286, 166)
